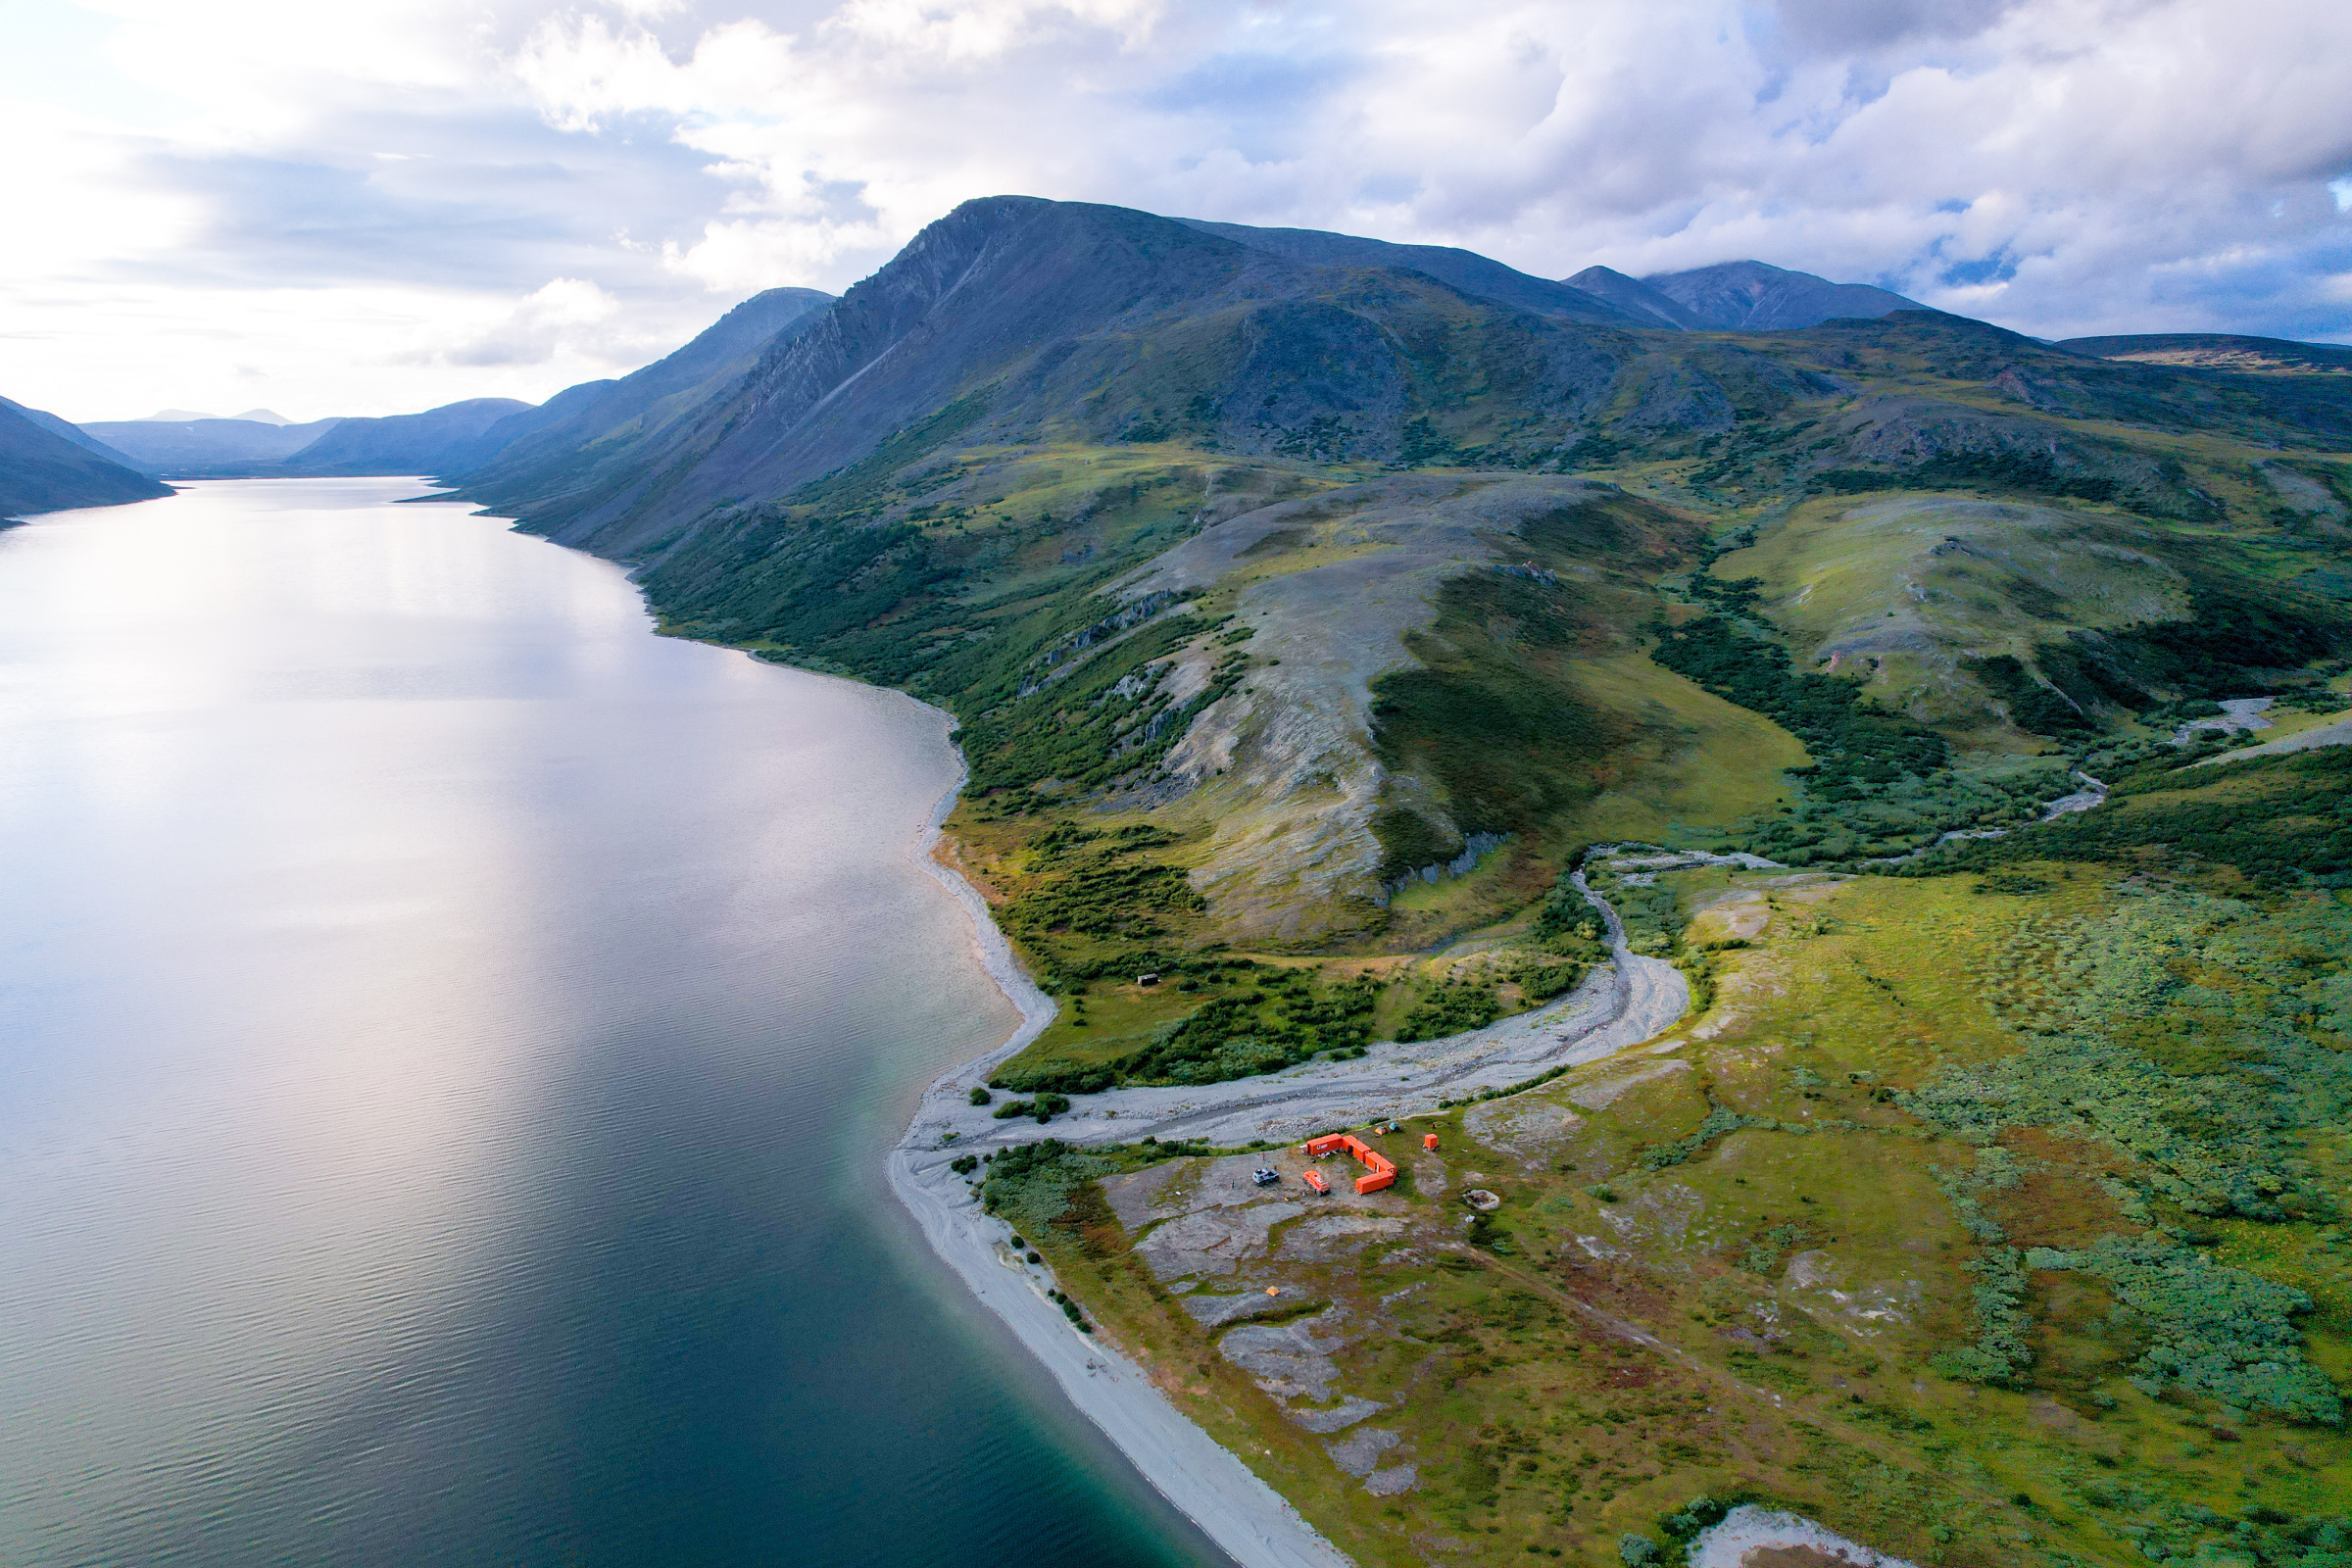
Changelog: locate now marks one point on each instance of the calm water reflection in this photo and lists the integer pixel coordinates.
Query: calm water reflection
(447, 1036)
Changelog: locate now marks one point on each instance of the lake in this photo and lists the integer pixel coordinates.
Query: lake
(448, 1039)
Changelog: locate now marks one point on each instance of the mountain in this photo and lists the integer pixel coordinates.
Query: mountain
(1018, 319)
(183, 415)
(559, 445)
(44, 469)
(442, 440)
(1016, 316)
(1034, 398)
(1017, 430)
(1751, 297)
(1635, 299)
(262, 417)
(70, 432)
(1474, 275)
(205, 448)
(1974, 1117)
(2220, 350)
(1735, 296)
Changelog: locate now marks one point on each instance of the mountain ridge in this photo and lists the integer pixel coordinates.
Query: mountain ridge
(205, 448)
(1457, 267)
(451, 436)
(48, 466)
(541, 449)
(1757, 297)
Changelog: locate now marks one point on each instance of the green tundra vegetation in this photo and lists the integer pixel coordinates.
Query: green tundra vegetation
(1988, 1215)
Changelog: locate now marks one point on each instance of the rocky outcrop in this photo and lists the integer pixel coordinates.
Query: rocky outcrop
(1285, 769)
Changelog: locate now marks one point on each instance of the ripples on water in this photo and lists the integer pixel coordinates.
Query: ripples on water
(447, 1038)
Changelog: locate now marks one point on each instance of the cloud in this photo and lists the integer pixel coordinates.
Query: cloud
(562, 312)
(370, 200)
(1851, 27)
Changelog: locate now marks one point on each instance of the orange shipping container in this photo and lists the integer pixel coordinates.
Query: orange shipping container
(1381, 1171)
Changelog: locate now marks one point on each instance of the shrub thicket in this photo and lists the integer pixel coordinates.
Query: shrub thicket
(2201, 1039)
(2281, 821)
(1855, 742)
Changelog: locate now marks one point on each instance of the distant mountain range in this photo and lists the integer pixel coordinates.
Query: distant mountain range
(2220, 350)
(184, 416)
(589, 442)
(448, 437)
(207, 448)
(1021, 314)
(528, 443)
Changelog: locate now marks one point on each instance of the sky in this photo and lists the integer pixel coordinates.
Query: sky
(378, 206)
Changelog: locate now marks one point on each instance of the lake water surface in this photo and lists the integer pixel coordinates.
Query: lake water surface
(448, 1038)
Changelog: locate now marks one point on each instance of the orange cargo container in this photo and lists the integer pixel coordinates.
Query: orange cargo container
(1314, 1179)
(1379, 1170)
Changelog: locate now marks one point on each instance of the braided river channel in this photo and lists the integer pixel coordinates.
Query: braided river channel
(448, 1038)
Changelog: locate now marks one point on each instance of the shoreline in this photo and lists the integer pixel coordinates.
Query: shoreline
(1207, 1482)
(1622, 1004)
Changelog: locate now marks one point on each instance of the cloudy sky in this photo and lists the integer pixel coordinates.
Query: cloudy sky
(375, 206)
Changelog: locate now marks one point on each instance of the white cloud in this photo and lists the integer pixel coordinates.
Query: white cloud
(376, 195)
(561, 313)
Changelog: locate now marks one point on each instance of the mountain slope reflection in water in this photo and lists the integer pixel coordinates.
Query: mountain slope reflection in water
(447, 1038)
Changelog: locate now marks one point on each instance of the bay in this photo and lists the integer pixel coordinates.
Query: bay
(448, 1038)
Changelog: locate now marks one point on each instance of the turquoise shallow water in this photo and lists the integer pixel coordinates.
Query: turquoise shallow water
(447, 1036)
